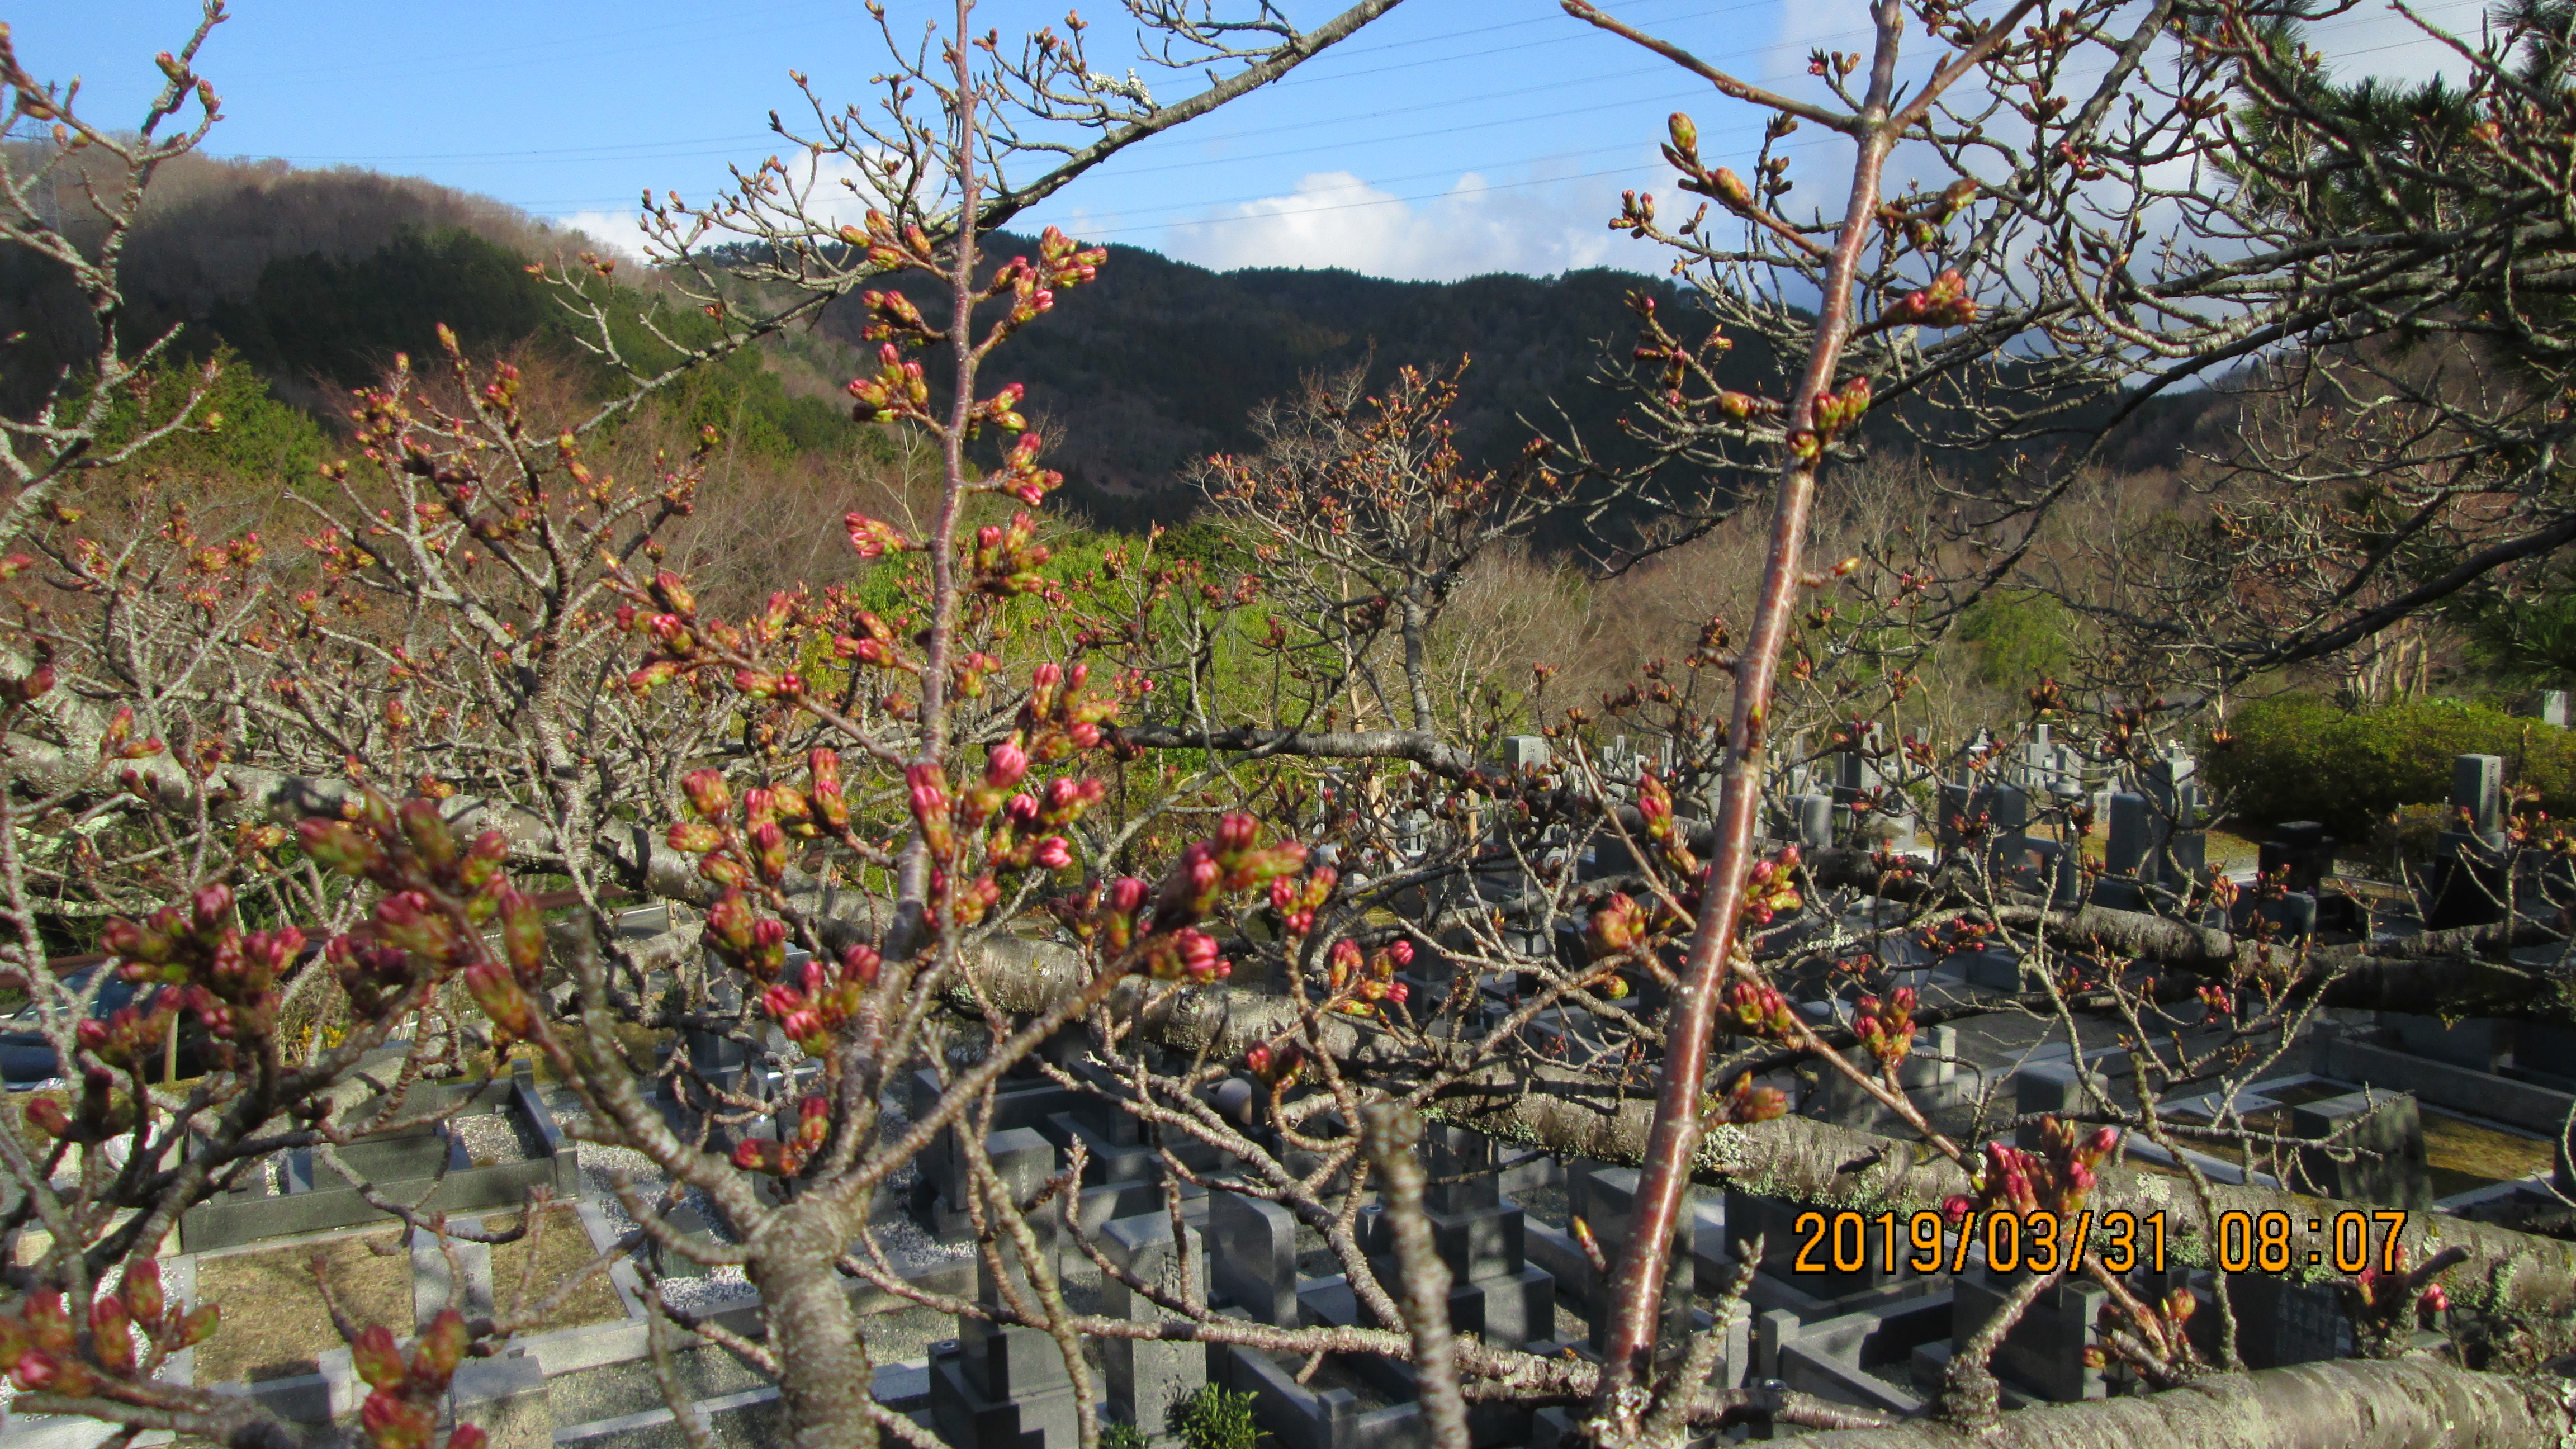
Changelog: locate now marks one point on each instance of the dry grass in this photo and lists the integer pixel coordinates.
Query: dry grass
(561, 1252)
(274, 1322)
(2464, 1155)
(2460, 1155)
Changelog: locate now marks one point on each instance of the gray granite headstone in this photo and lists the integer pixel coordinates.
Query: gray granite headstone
(2382, 1147)
(1148, 1377)
(1815, 820)
(2053, 1089)
(2477, 786)
(2044, 1351)
(2125, 849)
(1252, 1256)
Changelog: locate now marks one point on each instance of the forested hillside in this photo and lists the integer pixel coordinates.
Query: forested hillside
(1167, 361)
(317, 278)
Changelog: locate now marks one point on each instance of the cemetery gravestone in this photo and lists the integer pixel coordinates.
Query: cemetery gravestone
(1002, 1386)
(1148, 1377)
(2469, 887)
(2379, 1156)
(1252, 1246)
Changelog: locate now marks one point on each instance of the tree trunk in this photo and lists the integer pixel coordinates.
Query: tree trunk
(2412, 1403)
(1795, 1158)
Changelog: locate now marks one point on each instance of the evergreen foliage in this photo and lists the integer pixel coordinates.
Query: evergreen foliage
(1217, 1418)
(2301, 757)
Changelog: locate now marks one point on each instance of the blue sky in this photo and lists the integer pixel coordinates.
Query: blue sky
(1450, 138)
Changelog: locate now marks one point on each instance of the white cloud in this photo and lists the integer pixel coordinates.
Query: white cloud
(1335, 219)
(837, 191)
(834, 191)
(615, 230)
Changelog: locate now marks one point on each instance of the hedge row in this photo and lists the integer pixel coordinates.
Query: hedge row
(2299, 757)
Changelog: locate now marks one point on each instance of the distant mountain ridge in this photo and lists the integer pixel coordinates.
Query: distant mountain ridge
(1159, 361)
(317, 278)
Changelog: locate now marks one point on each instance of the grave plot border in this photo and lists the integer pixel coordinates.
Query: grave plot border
(238, 1219)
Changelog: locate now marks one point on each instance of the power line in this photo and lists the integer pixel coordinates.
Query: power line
(1454, 169)
(1302, 76)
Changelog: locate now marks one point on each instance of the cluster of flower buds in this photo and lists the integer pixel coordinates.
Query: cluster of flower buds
(1771, 888)
(1886, 1027)
(1226, 862)
(1615, 927)
(1943, 304)
(824, 1000)
(874, 537)
(132, 1035)
(872, 642)
(1020, 476)
(2055, 1179)
(1006, 560)
(102, 1112)
(1971, 827)
(1058, 717)
(1278, 1067)
(2389, 1299)
(786, 1157)
(2161, 1330)
(897, 391)
(1760, 1011)
(205, 964)
(734, 854)
(401, 1409)
(1024, 831)
(1296, 899)
(1743, 1103)
(743, 938)
(117, 741)
(1360, 984)
(31, 686)
(2219, 1001)
(888, 246)
(1188, 954)
(1104, 915)
(1160, 937)
(666, 613)
(1835, 411)
(1063, 263)
(40, 1346)
(374, 975)
(1655, 803)
(1955, 937)
(733, 858)
(1002, 410)
(955, 905)
(428, 925)
(893, 317)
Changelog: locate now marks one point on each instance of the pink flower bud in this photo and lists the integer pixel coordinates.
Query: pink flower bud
(1004, 765)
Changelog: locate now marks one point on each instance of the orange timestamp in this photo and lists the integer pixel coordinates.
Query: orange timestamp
(2120, 1241)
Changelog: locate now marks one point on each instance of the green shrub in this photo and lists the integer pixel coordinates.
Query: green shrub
(2019, 637)
(2300, 757)
(1215, 1418)
(1122, 1436)
(244, 432)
